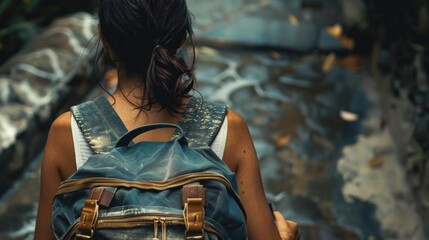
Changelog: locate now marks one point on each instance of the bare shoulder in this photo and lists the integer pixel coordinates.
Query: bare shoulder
(235, 120)
(60, 132)
(240, 155)
(59, 149)
(237, 127)
(239, 142)
(62, 122)
(57, 165)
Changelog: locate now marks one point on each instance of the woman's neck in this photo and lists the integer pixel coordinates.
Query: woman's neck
(129, 94)
(129, 89)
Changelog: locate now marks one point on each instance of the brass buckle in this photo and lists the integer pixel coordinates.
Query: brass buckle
(190, 236)
(88, 219)
(193, 214)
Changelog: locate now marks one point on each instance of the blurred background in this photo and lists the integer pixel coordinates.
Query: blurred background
(335, 92)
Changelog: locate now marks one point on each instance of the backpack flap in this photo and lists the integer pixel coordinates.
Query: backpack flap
(161, 189)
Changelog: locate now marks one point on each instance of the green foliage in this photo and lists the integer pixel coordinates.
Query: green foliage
(22, 20)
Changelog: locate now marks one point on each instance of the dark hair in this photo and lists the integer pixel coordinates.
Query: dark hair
(146, 37)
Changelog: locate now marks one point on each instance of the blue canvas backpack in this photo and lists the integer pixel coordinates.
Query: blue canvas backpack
(177, 189)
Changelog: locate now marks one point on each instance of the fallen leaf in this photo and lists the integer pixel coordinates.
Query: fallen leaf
(329, 62)
(335, 30)
(377, 161)
(293, 20)
(349, 116)
(353, 63)
(283, 141)
(347, 42)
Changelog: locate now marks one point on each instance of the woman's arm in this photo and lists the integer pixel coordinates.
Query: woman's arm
(58, 157)
(240, 155)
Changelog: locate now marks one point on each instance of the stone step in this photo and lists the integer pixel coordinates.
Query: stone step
(33, 85)
(330, 172)
(292, 25)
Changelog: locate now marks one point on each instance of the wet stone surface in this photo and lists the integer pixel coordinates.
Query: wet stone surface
(313, 162)
(302, 131)
(33, 83)
(268, 23)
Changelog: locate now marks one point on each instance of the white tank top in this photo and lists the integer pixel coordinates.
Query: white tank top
(83, 151)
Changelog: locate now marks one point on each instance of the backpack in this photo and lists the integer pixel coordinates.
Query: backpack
(177, 189)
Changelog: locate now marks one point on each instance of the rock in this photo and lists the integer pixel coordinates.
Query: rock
(362, 183)
(34, 82)
(257, 31)
(14, 118)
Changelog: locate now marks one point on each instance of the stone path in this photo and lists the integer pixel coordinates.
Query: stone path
(34, 82)
(326, 155)
(297, 25)
(325, 159)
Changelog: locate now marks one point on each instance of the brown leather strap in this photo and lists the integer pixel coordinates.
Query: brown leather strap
(103, 195)
(194, 191)
(88, 218)
(194, 198)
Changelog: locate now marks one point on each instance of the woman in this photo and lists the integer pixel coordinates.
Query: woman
(144, 39)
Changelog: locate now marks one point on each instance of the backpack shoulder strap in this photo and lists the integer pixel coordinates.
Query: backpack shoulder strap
(100, 126)
(202, 121)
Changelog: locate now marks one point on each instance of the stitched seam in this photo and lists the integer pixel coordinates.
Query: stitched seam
(83, 127)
